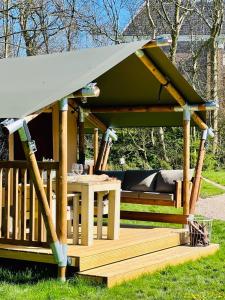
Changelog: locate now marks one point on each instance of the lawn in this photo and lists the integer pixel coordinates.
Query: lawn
(203, 279)
(217, 176)
(209, 190)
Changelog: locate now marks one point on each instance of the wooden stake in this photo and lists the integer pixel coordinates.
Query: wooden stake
(198, 172)
(62, 222)
(95, 145)
(186, 162)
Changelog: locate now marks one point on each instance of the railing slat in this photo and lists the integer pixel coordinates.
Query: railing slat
(23, 203)
(22, 164)
(15, 233)
(49, 190)
(1, 197)
(32, 213)
(7, 202)
(18, 201)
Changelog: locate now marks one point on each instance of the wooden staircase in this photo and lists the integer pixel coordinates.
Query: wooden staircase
(130, 258)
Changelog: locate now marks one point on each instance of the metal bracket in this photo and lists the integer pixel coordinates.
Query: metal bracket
(110, 133)
(81, 114)
(25, 136)
(59, 252)
(186, 113)
(63, 104)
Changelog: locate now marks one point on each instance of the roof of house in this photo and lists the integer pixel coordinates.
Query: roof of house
(32, 83)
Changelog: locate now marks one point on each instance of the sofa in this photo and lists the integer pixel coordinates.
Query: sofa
(155, 187)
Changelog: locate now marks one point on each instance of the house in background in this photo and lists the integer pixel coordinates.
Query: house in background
(193, 34)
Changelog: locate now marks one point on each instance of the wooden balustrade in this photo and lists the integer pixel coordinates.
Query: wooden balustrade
(21, 221)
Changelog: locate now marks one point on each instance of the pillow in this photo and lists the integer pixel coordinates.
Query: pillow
(166, 180)
(140, 180)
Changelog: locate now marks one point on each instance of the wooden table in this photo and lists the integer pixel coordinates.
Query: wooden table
(87, 190)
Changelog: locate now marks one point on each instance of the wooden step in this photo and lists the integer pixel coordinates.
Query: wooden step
(119, 272)
(127, 248)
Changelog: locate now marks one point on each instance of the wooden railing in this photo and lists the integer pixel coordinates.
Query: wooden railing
(21, 221)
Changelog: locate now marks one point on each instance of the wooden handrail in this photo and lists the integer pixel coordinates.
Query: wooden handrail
(22, 164)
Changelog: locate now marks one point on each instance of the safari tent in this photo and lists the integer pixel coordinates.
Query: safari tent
(53, 99)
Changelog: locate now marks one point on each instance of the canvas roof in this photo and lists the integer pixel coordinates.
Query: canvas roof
(31, 83)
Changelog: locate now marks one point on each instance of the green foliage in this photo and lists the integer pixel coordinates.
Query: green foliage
(209, 190)
(216, 176)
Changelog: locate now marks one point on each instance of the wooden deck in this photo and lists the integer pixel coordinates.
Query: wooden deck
(139, 250)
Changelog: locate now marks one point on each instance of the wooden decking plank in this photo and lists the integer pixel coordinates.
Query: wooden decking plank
(127, 252)
(103, 245)
(132, 268)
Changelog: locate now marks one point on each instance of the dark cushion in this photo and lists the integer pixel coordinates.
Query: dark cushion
(116, 174)
(166, 180)
(140, 180)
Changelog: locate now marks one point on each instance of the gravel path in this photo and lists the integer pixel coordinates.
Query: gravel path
(212, 207)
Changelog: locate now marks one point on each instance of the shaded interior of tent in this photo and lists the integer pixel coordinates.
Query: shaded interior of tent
(139, 87)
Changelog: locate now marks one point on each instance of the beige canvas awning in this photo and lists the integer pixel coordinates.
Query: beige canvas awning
(32, 83)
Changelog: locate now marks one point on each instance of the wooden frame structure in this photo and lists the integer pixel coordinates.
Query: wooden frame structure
(15, 176)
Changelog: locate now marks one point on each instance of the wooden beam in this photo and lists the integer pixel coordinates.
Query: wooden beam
(62, 206)
(72, 138)
(198, 172)
(95, 145)
(186, 162)
(81, 137)
(168, 85)
(147, 108)
(55, 131)
(154, 217)
(96, 122)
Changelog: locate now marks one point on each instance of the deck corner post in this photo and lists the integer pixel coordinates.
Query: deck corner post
(186, 159)
(62, 205)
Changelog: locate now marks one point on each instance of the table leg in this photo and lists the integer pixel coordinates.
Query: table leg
(87, 216)
(100, 196)
(114, 215)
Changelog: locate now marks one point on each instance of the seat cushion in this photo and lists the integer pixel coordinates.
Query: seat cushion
(166, 180)
(140, 180)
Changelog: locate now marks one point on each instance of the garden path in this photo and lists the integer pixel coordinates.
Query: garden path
(212, 207)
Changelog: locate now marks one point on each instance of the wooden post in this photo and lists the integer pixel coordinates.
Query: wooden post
(101, 152)
(55, 131)
(95, 145)
(62, 207)
(106, 154)
(186, 161)
(198, 171)
(81, 137)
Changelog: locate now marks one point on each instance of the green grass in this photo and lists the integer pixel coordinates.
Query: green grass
(216, 176)
(209, 190)
(203, 279)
